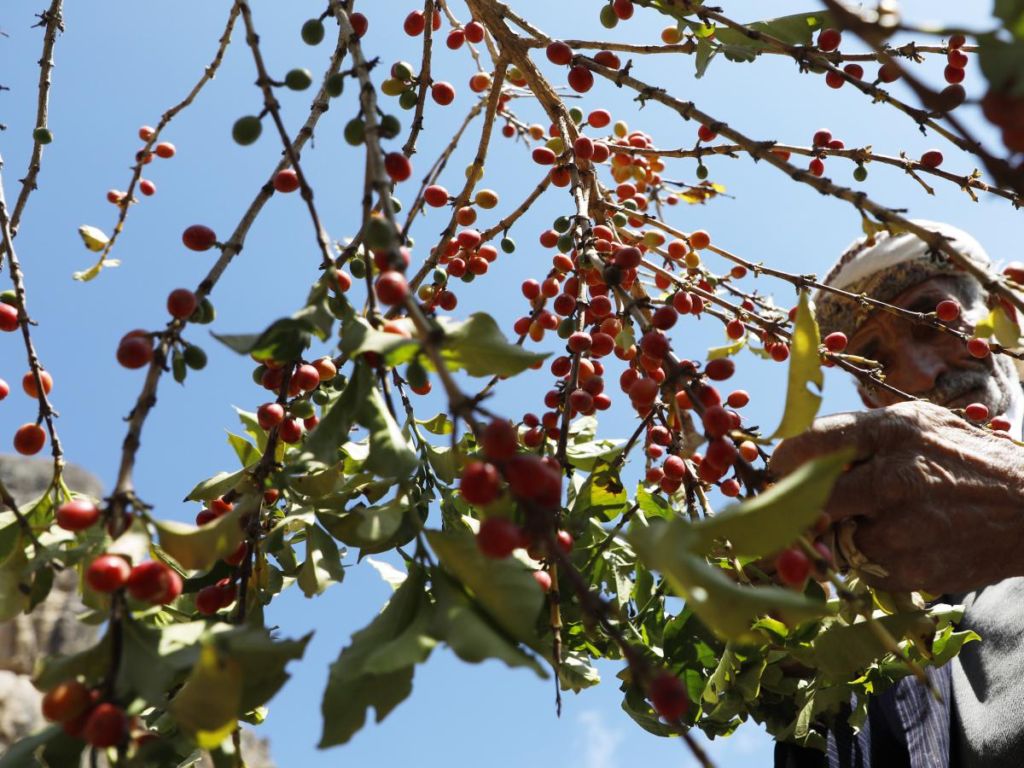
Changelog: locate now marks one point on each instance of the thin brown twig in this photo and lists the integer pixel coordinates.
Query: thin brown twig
(46, 412)
(53, 20)
(409, 148)
(274, 108)
(208, 74)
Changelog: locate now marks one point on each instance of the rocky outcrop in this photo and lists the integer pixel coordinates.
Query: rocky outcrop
(52, 627)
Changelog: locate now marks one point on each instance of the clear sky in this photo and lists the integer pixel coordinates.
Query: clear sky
(120, 64)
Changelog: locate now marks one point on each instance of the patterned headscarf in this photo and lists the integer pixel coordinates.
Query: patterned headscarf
(884, 266)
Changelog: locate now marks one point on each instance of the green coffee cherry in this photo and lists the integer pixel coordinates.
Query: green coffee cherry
(393, 87)
(468, 277)
(355, 131)
(576, 114)
(335, 85)
(440, 276)
(257, 373)
(620, 219)
(416, 374)
(246, 130)
(299, 79)
(357, 267)
(9, 297)
(390, 126)
(860, 173)
(379, 234)
(702, 172)
(195, 357)
(402, 70)
(629, 204)
(608, 18)
(566, 243)
(562, 224)
(42, 135)
(302, 409)
(407, 100)
(313, 32)
(320, 397)
(566, 328)
(178, 369)
(508, 245)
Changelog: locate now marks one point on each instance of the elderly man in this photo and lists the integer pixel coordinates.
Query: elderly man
(937, 504)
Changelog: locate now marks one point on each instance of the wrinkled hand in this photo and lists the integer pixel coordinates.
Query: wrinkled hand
(938, 503)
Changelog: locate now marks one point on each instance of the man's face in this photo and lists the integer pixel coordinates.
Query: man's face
(928, 363)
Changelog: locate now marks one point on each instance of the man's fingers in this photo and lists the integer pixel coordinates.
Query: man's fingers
(854, 493)
(826, 435)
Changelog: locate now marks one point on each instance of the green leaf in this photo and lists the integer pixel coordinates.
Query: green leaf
(244, 450)
(478, 347)
(999, 324)
(322, 566)
(13, 599)
(602, 496)
(153, 660)
(705, 53)
(390, 454)
(729, 349)
(217, 486)
(470, 634)
(804, 368)
(504, 588)
(263, 659)
(774, 519)
(652, 504)
(92, 664)
(287, 338)
(207, 706)
(351, 689)
(1001, 62)
(48, 747)
(333, 430)
(797, 29)
(585, 456)
(1011, 13)
(444, 461)
(842, 650)
(576, 672)
(948, 644)
(200, 547)
(725, 607)
(366, 527)
(439, 425)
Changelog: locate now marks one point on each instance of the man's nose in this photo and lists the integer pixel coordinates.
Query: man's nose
(918, 367)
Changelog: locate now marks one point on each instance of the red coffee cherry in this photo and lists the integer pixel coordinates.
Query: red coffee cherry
(717, 421)
(154, 582)
(5, 389)
(147, 187)
(359, 24)
(269, 415)
(978, 348)
(181, 303)
(499, 440)
(108, 573)
(738, 399)
(793, 567)
(77, 515)
(668, 696)
(475, 32)
(8, 318)
(953, 74)
(932, 158)
(290, 431)
(957, 41)
(397, 165)
(976, 412)
(455, 39)
(947, 310)
(135, 351)
(306, 377)
(479, 483)
(29, 439)
(391, 288)
(581, 79)
(720, 369)
(210, 599)
(286, 180)
(835, 342)
(889, 73)
(854, 70)
(829, 39)
(106, 726)
(435, 196)
(236, 557)
(559, 53)
(497, 537)
(66, 701)
(28, 383)
(443, 93)
(198, 238)
(543, 579)
(414, 24)
(583, 148)
(165, 150)
(1000, 424)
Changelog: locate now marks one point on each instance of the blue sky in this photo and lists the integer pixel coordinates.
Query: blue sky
(121, 64)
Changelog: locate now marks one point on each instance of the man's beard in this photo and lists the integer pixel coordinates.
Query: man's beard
(990, 384)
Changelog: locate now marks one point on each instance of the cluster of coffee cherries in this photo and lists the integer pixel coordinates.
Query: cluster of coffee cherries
(83, 713)
(535, 483)
(163, 149)
(306, 388)
(30, 438)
